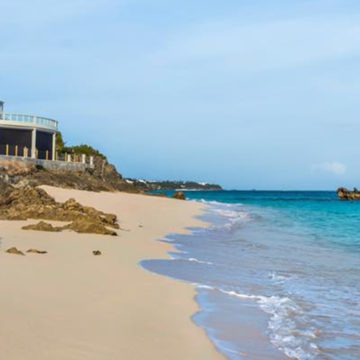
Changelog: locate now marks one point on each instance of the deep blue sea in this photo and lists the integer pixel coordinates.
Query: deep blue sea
(277, 273)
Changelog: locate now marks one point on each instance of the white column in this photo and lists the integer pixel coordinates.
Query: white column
(53, 146)
(33, 144)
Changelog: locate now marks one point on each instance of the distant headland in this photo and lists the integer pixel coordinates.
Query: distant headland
(168, 185)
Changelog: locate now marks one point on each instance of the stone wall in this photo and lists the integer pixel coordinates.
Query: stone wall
(48, 164)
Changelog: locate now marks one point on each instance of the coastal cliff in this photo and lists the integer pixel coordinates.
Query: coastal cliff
(102, 177)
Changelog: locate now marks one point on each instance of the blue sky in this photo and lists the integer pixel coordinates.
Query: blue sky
(249, 94)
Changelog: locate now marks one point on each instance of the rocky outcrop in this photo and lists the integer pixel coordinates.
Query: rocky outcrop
(25, 203)
(345, 194)
(179, 195)
(83, 226)
(88, 225)
(16, 168)
(103, 177)
(42, 226)
(34, 203)
(38, 252)
(14, 251)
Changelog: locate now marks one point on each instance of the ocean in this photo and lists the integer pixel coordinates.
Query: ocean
(277, 274)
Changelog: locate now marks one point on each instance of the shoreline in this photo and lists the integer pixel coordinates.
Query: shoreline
(69, 304)
(241, 332)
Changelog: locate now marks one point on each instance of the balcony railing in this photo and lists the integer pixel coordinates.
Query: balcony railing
(21, 151)
(30, 120)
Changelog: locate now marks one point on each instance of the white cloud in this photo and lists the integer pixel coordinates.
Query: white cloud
(333, 167)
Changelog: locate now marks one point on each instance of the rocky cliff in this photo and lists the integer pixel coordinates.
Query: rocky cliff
(103, 177)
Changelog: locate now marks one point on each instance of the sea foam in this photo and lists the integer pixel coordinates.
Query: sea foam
(282, 327)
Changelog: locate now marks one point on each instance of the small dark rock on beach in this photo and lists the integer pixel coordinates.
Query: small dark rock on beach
(15, 251)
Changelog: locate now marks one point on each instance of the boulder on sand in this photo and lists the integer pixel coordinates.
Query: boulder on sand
(14, 251)
(81, 225)
(35, 251)
(42, 226)
(89, 226)
(34, 203)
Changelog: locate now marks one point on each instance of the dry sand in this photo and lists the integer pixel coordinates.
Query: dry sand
(71, 305)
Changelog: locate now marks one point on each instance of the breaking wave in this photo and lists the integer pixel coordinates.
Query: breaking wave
(285, 315)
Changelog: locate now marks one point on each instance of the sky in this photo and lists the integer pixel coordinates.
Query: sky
(252, 94)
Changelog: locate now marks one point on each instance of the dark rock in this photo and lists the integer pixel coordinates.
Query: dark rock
(179, 195)
(103, 177)
(35, 251)
(89, 226)
(97, 253)
(34, 203)
(345, 194)
(42, 226)
(25, 203)
(15, 251)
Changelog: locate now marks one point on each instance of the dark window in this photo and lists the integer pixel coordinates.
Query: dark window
(44, 144)
(13, 138)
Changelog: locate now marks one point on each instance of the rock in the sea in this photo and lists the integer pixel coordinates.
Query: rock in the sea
(345, 194)
(179, 195)
(42, 226)
(97, 253)
(35, 251)
(14, 251)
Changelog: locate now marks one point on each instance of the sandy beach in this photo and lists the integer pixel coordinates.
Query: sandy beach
(71, 305)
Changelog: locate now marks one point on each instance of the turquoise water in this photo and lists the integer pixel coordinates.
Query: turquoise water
(281, 267)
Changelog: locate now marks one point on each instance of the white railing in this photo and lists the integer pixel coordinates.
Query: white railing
(30, 119)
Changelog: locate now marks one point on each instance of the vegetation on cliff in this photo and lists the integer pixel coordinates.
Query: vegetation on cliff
(85, 149)
(102, 177)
